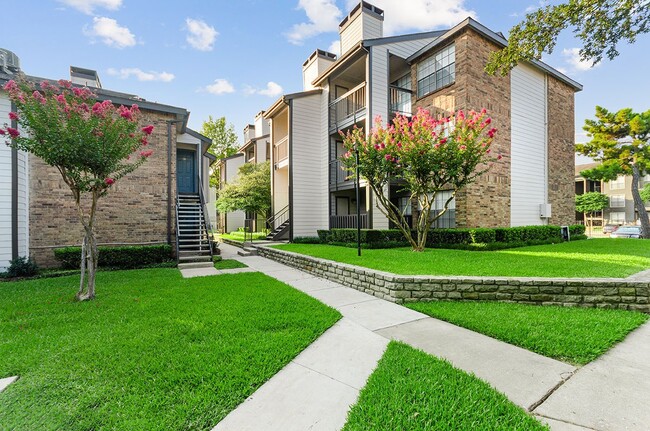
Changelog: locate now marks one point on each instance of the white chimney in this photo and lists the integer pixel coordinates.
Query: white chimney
(316, 64)
(261, 125)
(85, 77)
(365, 21)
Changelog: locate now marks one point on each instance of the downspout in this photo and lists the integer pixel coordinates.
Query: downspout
(290, 145)
(546, 144)
(169, 179)
(14, 193)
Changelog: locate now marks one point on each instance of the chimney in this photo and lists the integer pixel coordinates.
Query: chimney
(364, 21)
(85, 77)
(261, 125)
(9, 62)
(316, 64)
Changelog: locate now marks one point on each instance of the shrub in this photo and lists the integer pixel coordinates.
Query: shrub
(124, 257)
(576, 229)
(306, 240)
(22, 267)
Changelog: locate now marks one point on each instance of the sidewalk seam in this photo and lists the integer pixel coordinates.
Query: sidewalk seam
(550, 392)
(564, 421)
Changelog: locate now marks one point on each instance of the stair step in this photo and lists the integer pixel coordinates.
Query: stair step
(244, 253)
(195, 265)
(207, 258)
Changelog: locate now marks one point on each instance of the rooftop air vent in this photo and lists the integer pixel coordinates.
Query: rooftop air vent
(9, 62)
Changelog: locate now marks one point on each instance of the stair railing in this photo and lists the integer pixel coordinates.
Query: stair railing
(178, 230)
(281, 217)
(206, 219)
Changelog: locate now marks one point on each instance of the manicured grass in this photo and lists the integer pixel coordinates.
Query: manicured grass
(411, 390)
(239, 236)
(587, 258)
(576, 335)
(154, 351)
(229, 264)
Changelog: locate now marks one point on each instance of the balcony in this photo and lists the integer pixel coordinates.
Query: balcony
(348, 221)
(340, 178)
(281, 153)
(348, 109)
(400, 100)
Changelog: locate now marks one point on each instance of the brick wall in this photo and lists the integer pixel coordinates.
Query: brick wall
(485, 203)
(595, 293)
(133, 212)
(561, 152)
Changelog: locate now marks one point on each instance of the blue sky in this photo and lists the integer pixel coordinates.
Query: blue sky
(233, 59)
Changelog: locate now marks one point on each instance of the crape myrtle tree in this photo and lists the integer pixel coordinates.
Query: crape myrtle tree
(621, 142)
(590, 203)
(250, 192)
(92, 144)
(428, 155)
(598, 24)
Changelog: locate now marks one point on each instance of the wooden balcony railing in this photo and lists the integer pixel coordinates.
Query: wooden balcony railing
(348, 108)
(281, 151)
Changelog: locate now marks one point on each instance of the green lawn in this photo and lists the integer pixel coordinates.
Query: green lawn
(576, 335)
(154, 351)
(587, 258)
(411, 390)
(239, 236)
(229, 264)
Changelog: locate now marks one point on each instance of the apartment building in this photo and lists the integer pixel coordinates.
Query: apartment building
(441, 71)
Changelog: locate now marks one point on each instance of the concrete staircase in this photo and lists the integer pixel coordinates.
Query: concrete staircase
(194, 247)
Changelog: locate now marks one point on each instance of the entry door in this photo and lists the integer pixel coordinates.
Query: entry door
(186, 171)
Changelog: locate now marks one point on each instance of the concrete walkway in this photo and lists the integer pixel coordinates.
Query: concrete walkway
(298, 398)
(4, 383)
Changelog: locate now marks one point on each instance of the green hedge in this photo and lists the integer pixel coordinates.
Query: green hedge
(124, 257)
(453, 238)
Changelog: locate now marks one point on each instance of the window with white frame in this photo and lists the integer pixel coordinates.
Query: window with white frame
(400, 100)
(617, 217)
(618, 183)
(448, 219)
(617, 201)
(437, 71)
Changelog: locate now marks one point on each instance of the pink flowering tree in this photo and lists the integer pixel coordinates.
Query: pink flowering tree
(428, 155)
(92, 144)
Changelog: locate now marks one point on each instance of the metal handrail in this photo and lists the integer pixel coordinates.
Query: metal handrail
(279, 215)
(178, 255)
(206, 219)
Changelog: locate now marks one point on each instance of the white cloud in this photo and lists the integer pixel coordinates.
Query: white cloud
(335, 47)
(323, 17)
(273, 89)
(110, 32)
(420, 15)
(220, 86)
(142, 75)
(201, 35)
(88, 6)
(572, 58)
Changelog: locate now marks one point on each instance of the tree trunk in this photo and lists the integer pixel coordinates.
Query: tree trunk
(90, 254)
(638, 203)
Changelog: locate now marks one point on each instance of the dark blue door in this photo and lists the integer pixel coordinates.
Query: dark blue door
(186, 171)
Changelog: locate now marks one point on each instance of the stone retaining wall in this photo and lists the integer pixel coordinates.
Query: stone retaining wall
(601, 293)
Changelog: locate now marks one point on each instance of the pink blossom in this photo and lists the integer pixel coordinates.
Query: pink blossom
(109, 181)
(462, 147)
(13, 116)
(488, 120)
(146, 154)
(388, 157)
(10, 86)
(148, 129)
(499, 157)
(443, 141)
(14, 133)
(2, 132)
(144, 141)
(60, 98)
(65, 84)
(492, 132)
(483, 111)
(39, 97)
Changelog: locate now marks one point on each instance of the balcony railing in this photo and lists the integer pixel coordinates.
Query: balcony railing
(348, 221)
(347, 109)
(400, 100)
(338, 174)
(281, 151)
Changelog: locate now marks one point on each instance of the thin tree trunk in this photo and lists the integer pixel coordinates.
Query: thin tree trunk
(639, 204)
(89, 258)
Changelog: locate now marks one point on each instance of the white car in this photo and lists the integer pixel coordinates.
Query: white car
(627, 232)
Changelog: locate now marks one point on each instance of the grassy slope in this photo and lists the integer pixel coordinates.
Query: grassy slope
(239, 236)
(152, 352)
(229, 264)
(411, 390)
(589, 258)
(576, 335)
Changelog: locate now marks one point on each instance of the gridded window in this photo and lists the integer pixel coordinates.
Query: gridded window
(437, 71)
(617, 217)
(618, 183)
(617, 201)
(448, 219)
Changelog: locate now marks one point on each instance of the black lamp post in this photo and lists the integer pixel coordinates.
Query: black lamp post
(356, 185)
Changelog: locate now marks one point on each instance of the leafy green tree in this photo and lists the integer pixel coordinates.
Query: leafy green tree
(224, 142)
(645, 193)
(92, 144)
(428, 154)
(621, 141)
(599, 24)
(250, 192)
(590, 203)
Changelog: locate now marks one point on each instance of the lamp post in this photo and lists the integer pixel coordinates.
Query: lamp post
(356, 186)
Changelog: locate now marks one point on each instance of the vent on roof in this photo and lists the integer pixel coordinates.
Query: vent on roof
(85, 77)
(9, 62)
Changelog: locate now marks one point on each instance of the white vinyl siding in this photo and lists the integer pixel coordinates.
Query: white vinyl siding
(372, 27)
(352, 34)
(529, 152)
(309, 184)
(378, 96)
(407, 48)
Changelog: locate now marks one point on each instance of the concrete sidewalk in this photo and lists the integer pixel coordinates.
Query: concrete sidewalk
(288, 398)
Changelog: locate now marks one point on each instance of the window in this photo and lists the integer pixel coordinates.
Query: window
(400, 100)
(448, 219)
(618, 183)
(617, 217)
(617, 201)
(404, 205)
(437, 71)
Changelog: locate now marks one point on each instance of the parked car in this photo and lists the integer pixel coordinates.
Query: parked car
(627, 232)
(609, 228)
